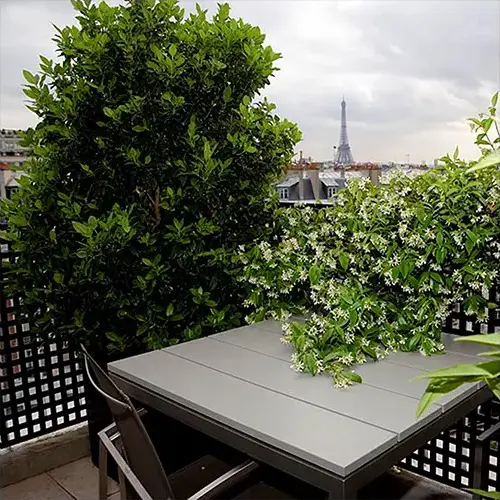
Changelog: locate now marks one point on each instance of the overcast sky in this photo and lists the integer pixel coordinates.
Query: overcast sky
(411, 71)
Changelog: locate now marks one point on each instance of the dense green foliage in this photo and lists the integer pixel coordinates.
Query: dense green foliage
(151, 164)
(379, 271)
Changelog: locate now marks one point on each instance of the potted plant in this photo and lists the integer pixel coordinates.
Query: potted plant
(151, 163)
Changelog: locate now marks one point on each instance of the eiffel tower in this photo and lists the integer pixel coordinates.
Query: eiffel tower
(343, 155)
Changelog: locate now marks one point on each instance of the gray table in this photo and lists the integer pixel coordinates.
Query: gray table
(238, 387)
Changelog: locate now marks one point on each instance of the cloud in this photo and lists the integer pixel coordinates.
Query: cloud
(412, 71)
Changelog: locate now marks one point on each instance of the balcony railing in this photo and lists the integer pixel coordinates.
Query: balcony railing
(42, 390)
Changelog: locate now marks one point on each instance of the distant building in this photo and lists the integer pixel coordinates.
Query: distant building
(309, 182)
(12, 158)
(309, 185)
(10, 142)
(409, 170)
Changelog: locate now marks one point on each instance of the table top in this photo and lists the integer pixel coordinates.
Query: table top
(242, 379)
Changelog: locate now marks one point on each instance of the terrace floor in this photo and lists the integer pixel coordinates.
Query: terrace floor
(78, 480)
(72, 481)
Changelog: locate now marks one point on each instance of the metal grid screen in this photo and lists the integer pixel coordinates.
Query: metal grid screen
(460, 323)
(449, 457)
(41, 387)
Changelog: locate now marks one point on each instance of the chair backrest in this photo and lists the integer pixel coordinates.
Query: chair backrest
(139, 451)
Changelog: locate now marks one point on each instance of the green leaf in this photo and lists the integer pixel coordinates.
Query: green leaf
(84, 229)
(354, 377)
(437, 277)
(492, 367)
(172, 50)
(192, 127)
(223, 11)
(227, 94)
(490, 354)
(439, 238)
(495, 495)
(142, 329)
(494, 99)
(207, 152)
(117, 341)
(463, 370)
(492, 160)
(492, 339)
(369, 351)
(487, 124)
(29, 77)
(435, 390)
(58, 277)
(494, 386)
(353, 317)
(18, 220)
(314, 275)
(344, 260)
(440, 255)
(331, 356)
(109, 112)
(414, 341)
(425, 401)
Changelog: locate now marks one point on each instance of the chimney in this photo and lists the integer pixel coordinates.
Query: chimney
(375, 175)
(301, 184)
(314, 176)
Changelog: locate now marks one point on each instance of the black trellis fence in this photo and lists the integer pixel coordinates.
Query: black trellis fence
(42, 390)
(449, 458)
(41, 386)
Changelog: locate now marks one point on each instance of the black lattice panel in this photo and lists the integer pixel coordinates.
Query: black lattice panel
(460, 323)
(449, 458)
(41, 387)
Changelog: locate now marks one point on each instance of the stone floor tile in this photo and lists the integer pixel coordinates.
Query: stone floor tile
(41, 487)
(81, 479)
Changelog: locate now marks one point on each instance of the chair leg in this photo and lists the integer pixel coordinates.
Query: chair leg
(122, 484)
(103, 471)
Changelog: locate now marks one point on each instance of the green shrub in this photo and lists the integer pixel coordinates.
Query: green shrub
(379, 271)
(151, 164)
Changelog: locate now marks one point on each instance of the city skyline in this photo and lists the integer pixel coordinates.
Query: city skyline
(411, 71)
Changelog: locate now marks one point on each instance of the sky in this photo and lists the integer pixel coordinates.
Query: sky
(412, 72)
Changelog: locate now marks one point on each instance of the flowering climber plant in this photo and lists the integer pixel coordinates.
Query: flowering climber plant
(379, 271)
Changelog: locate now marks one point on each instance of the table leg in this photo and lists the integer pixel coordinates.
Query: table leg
(343, 491)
